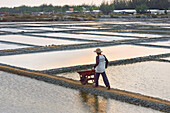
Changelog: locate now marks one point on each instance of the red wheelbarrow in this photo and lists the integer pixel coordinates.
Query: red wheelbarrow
(86, 76)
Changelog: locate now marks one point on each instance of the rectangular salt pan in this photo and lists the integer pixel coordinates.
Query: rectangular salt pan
(149, 78)
(161, 43)
(142, 35)
(168, 58)
(78, 27)
(84, 36)
(39, 41)
(46, 28)
(15, 30)
(4, 46)
(58, 59)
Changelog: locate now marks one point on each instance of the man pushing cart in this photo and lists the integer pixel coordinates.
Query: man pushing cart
(93, 75)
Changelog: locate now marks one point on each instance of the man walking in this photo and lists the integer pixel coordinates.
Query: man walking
(101, 64)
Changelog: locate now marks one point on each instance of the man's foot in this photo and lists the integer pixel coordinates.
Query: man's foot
(108, 88)
(95, 86)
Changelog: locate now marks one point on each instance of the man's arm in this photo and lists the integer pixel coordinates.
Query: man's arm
(106, 61)
(97, 62)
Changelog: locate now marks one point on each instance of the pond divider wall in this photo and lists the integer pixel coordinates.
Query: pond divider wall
(121, 95)
(111, 63)
(80, 46)
(16, 43)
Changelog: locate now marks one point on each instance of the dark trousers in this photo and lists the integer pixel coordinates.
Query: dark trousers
(96, 78)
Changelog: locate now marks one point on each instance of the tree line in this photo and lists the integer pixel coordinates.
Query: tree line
(132, 4)
(105, 7)
(48, 8)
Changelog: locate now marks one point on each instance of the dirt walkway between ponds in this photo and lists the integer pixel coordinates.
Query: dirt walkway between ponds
(121, 95)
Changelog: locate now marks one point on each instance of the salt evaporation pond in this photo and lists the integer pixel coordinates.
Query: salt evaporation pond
(37, 40)
(25, 95)
(58, 24)
(58, 59)
(156, 24)
(142, 35)
(168, 58)
(78, 27)
(4, 46)
(46, 28)
(15, 30)
(148, 78)
(161, 43)
(84, 36)
(34, 24)
(121, 22)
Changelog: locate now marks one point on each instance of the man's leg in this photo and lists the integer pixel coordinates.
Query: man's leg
(105, 79)
(96, 78)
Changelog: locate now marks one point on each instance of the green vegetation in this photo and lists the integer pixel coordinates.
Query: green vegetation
(105, 7)
(142, 9)
(83, 12)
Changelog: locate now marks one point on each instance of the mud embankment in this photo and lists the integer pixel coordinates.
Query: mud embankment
(121, 95)
(111, 63)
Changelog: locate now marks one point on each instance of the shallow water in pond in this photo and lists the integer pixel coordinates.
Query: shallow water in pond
(4, 46)
(168, 58)
(161, 43)
(34, 24)
(58, 59)
(46, 28)
(125, 34)
(84, 36)
(148, 78)
(24, 95)
(116, 21)
(166, 24)
(15, 30)
(78, 27)
(37, 40)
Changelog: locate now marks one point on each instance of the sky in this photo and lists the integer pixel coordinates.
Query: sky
(15, 3)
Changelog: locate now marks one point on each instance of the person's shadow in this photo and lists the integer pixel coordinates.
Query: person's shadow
(95, 103)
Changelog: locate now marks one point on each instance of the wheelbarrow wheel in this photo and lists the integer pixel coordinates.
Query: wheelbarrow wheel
(83, 80)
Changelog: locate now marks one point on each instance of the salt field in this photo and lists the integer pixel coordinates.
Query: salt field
(142, 35)
(15, 30)
(45, 28)
(37, 61)
(138, 77)
(77, 27)
(4, 46)
(24, 95)
(168, 58)
(39, 41)
(161, 43)
(143, 45)
(84, 36)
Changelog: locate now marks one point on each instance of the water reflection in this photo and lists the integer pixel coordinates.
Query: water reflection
(123, 34)
(95, 104)
(37, 40)
(162, 43)
(84, 36)
(58, 59)
(4, 46)
(24, 95)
